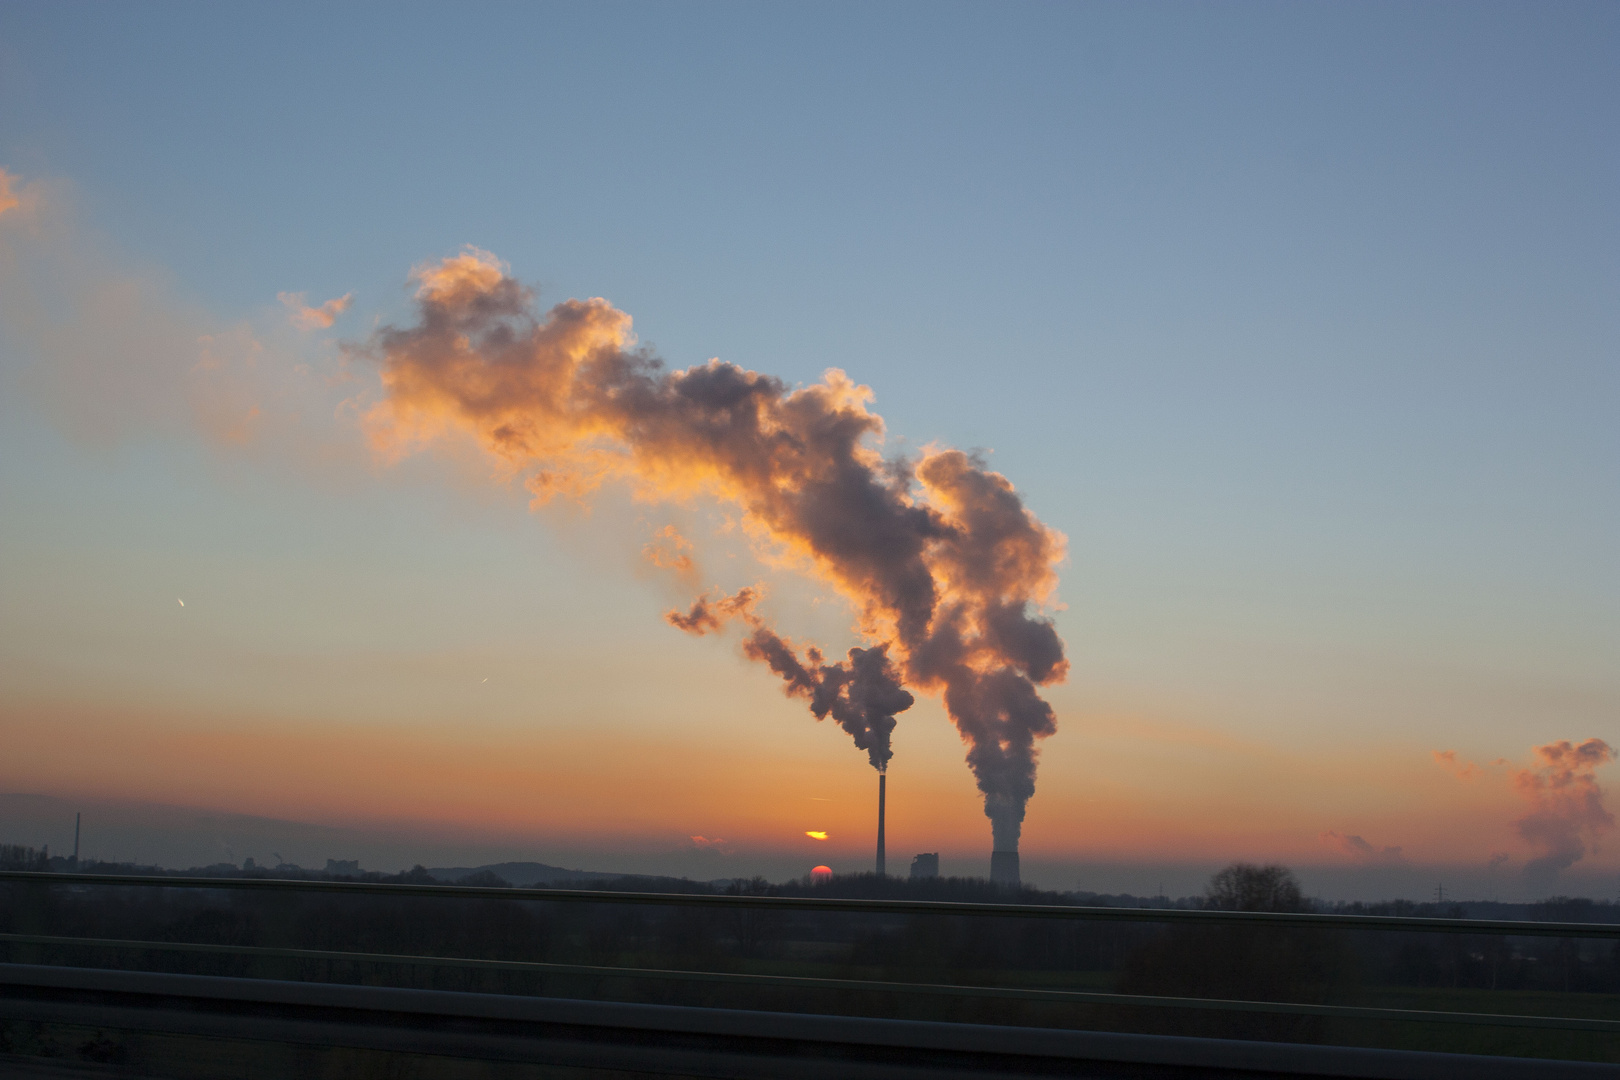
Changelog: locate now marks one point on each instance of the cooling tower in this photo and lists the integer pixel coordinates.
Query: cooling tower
(883, 783)
(1004, 868)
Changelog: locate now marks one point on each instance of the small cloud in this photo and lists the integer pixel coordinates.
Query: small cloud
(669, 550)
(816, 834)
(314, 318)
(705, 843)
(1359, 849)
(1463, 770)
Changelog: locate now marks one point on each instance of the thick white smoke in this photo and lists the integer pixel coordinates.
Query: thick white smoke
(944, 566)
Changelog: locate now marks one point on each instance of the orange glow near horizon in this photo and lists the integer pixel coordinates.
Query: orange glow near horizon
(1204, 799)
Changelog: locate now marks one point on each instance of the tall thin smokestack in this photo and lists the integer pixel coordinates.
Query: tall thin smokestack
(76, 819)
(883, 784)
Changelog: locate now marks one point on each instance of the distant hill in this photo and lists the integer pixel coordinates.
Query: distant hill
(524, 874)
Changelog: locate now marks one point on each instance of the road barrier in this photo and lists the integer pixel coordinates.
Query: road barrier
(730, 1042)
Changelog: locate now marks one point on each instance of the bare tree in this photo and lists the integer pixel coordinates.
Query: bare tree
(1246, 887)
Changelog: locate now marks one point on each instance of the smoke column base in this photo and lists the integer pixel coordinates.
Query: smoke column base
(1004, 868)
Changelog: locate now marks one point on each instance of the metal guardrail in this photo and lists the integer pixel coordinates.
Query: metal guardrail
(703, 1042)
(1361, 923)
(875, 986)
(1503, 927)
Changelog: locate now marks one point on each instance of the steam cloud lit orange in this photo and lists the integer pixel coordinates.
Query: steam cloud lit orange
(1566, 805)
(1565, 814)
(945, 568)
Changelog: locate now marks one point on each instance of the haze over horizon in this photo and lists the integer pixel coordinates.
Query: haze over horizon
(183, 838)
(1285, 337)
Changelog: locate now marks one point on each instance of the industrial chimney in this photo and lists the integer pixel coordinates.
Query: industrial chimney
(883, 781)
(1004, 868)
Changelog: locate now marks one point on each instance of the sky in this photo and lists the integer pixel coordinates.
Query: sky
(1298, 322)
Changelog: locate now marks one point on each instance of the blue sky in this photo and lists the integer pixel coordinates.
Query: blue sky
(1299, 320)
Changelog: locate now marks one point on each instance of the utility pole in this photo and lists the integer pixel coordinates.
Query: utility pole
(77, 817)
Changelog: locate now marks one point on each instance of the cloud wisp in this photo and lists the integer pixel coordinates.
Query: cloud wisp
(110, 349)
(710, 843)
(1359, 849)
(314, 318)
(946, 570)
(1462, 770)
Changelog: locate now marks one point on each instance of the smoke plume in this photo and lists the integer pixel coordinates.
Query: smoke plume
(862, 694)
(1566, 805)
(944, 567)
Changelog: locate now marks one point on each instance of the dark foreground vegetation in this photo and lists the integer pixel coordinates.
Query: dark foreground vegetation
(1483, 973)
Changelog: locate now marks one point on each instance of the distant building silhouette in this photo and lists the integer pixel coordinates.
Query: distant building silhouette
(342, 866)
(925, 865)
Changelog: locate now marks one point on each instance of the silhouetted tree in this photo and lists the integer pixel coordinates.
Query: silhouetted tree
(1248, 963)
(19, 857)
(1246, 887)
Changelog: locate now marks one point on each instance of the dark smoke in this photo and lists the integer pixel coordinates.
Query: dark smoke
(862, 694)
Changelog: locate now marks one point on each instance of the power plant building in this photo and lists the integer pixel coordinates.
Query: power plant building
(925, 865)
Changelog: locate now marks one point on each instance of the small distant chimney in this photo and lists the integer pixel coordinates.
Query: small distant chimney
(76, 820)
(925, 865)
(883, 784)
(1004, 868)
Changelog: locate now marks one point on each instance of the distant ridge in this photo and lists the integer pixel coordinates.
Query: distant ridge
(524, 874)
